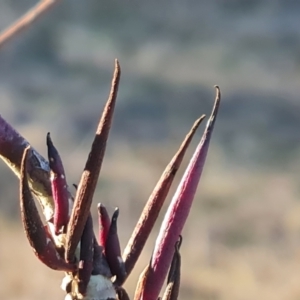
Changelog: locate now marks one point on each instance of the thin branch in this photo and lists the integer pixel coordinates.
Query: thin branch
(26, 20)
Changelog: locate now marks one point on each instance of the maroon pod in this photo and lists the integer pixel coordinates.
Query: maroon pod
(59, 188)
(104, 224)
(178, 212)
(113, 250)
(40, 241)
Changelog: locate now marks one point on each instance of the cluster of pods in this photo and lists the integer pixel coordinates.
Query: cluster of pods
(94, 266)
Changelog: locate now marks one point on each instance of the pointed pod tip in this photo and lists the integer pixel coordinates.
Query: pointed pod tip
(101, 207)
(117, 66)
(116, 79)
(188, 139)
(48, 139)
(178, 243)
(115, 214)
(51, 149)
(218, 92)
(198, 122)
(215, 109)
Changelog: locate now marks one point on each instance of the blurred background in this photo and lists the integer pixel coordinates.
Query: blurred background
(242, 239)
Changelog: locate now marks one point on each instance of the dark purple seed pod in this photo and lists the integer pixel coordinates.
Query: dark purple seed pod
(104, 224)
(86, 256)
(39, 239)
(113, 249)
(59, 188)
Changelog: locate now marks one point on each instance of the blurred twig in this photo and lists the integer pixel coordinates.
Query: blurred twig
(26, 20)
